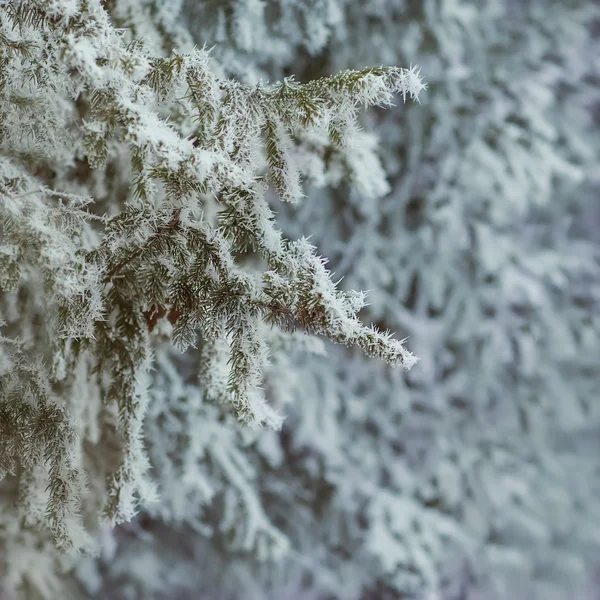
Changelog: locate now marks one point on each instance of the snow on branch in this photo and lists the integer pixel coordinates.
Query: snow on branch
(185, 142)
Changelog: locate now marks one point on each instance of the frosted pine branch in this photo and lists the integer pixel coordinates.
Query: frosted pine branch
(156, 228)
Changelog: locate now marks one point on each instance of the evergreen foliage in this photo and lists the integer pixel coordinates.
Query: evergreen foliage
(157, 287)
(134, 214)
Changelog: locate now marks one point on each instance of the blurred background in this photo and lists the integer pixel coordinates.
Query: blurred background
(474, 219)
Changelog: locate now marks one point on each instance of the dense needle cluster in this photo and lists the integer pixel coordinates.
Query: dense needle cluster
(133, 205)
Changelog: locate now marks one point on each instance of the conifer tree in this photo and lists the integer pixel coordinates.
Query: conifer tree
(471, 251)
(157, 292)
(135, 226)
(475, 474)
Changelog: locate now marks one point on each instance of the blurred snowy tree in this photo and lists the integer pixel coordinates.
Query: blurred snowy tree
(472, 476)
(484, 455)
